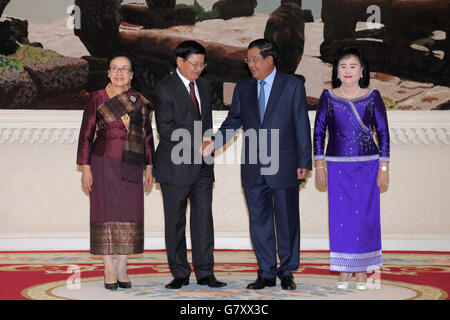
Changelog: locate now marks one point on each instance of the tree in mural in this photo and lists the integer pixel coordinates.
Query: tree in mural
(405, 41)
(100, 21)
(29, 73)
(3, 4)
(286, 27)
(160, 4)
(12, 32)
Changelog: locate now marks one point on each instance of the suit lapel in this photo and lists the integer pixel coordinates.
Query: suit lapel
(183, 94)
(253, 100)
(204, 99)
(274, 96)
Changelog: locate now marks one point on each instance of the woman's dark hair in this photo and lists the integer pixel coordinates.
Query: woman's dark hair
(266, 48)
(124, 55)
(187, 48)
(344, 53)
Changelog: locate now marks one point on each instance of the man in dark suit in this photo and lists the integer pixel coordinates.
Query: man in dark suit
(183, 114)
(271, 107)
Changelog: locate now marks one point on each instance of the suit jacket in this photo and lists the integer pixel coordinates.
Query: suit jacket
(287, 114)
(174, 110)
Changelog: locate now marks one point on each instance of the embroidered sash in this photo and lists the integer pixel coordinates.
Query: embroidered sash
(111, 94)
(134, 105)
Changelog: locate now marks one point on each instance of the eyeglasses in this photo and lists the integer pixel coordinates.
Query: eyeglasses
(197, 65)
(252, 60)
(124, 69)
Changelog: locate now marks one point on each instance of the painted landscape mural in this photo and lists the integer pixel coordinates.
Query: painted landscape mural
(54, 52)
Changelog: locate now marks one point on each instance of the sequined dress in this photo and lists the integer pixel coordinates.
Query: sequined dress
(358, 138)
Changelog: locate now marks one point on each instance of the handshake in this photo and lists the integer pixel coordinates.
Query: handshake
(207, 146)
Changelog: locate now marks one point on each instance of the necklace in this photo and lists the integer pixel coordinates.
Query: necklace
(351, 96)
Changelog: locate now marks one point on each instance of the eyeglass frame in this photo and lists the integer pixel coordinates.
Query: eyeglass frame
(124, 69)
(248, 61)
(195, 65)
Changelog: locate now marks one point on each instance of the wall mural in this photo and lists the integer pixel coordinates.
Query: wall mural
(54, 52)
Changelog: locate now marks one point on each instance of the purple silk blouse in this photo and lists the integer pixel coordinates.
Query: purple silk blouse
(110, 139)
(352, 125)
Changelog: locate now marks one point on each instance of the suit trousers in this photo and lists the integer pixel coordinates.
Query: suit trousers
(274, 222)
(175, 199)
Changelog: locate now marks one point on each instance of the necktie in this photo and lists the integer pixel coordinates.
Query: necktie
(194, 99)
(262, 100)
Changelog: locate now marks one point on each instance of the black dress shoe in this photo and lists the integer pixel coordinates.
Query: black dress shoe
(287, 283)
(261, 283)
(177, 283)
(211, 281)
(124, 285)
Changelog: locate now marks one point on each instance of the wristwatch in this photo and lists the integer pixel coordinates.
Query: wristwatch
(384, 168)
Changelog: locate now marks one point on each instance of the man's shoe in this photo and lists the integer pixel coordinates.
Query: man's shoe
(177, 283)
(287, 283)
(211, 281)
(261, 283)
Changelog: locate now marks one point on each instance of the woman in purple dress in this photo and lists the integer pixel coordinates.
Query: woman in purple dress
(355, 166)
(116, 167)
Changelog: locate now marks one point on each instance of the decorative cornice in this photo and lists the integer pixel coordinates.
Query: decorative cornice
(62, 126)
(39, 135)
(420, 135)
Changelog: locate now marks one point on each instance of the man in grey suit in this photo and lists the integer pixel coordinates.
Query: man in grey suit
(183, 114)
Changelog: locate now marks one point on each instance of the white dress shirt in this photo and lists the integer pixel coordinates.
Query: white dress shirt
(186, 84)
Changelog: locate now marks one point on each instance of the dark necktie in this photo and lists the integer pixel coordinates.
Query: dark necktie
(194, 99)
(262, 100)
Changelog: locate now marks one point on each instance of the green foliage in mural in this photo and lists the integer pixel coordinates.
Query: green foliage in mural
(37, 54)
(202, 14)
(25, 54)
(10, 64)
(389, 103)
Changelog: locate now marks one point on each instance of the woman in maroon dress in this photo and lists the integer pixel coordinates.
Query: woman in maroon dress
(112, 169)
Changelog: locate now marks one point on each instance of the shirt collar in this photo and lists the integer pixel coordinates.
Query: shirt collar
(185, 81)
(270, 78)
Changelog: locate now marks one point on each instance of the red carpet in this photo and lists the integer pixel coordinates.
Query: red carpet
(45, 275)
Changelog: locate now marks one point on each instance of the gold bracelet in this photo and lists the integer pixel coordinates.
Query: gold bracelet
(320, 168)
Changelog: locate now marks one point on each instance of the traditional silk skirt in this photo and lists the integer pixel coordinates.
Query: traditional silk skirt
(116, 210)
(354, 216)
